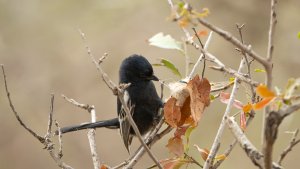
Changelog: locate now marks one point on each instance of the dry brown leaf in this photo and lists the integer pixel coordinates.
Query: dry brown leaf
(175, 146)
(199, 90)
(172, 112)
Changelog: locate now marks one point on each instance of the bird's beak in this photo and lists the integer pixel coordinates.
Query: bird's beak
(153, 78)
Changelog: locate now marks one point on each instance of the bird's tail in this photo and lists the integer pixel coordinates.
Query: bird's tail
(112, 124)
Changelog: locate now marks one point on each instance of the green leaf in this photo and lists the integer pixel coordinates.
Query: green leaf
(259, 70)
(169, 65)
(299, 35)
(166, 42)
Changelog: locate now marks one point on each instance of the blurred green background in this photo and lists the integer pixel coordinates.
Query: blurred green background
(43, 53)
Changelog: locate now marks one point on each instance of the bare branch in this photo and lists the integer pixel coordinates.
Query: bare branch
(49, 130)
(292, 144)
(231, 146)
(46, 141)
(152, 138)
(201, 55)
(60, 150)
(74, 102)
(289, 110)
(40, 138)
(91, 137)
(209, 161)
(110, 84)
(236, 74)
(91, 132)
(256, 157)
(273, 120)
(227, 36)
(273, 22)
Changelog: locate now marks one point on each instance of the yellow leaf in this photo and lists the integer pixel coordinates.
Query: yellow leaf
(220, 157)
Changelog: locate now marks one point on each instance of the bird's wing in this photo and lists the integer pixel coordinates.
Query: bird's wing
(125, 125)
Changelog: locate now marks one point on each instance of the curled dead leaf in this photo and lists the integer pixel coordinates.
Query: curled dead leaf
(199, 90)
(172, 112)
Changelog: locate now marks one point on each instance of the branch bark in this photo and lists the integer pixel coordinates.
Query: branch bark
(256, 157)
(209, 161)
(47, 140)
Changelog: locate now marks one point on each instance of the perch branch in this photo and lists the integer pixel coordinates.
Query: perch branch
(91, 132)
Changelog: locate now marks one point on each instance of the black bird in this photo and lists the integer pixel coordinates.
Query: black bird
(141, 94)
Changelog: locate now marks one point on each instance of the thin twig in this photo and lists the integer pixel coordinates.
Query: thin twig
(40, 138)
(227, 36)
(292, 144)
(213, 151)
(77, 104)
(60, 149)
(46, 141)
(104, 76)
(193, 160)
(49, 130)
(234, 73)
(240, 27)
(273, 22)
(201, 55)
(202, 46)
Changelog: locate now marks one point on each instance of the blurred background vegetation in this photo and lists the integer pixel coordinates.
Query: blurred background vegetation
(43, 53)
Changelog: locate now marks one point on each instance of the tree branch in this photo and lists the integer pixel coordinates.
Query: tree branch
(209, 161)
(292, 144)
(91, 132)
(201, 56)
(227, 36)
(46, 141)
(256, 157)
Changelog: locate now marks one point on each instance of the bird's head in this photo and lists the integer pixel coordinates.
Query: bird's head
(136, 68)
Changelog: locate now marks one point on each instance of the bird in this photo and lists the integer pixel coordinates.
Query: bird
(140, 95)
